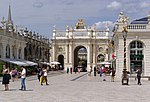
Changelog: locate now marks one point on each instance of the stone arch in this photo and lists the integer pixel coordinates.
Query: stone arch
(7, 51)
(80, 57)
(26, 52)
(14, 51)
(19, 53)
(61, 60)
(100, 58)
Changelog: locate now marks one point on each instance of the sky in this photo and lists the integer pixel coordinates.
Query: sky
(41, 15)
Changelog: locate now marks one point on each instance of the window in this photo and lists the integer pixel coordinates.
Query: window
(19, 53)
(7, 51)
(100, 58)
(136, 56)
(100, 49)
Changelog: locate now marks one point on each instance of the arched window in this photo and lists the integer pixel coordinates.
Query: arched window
(100, 58)
(101, 49)
(19, 53)
(136, 56)
(14, 52)
(8, 51)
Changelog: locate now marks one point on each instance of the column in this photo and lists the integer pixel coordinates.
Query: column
(70, 53)
(94, 53)
(4, 50)
(88, 56)
(53, 52)
(11, 51)
(67, 53)
(22, 52)
(17, 52)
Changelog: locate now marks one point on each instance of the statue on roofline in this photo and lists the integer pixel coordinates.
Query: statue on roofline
(122, 18)
(80, 24)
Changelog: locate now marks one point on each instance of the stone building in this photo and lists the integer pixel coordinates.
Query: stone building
(66, 45)
(37, 47)
(21, 44)
(12, 44)
(137, 45)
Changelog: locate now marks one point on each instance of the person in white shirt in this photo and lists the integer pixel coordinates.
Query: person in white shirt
(23, 77)
(45, 70)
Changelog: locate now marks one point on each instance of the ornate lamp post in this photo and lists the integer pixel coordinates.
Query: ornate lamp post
(125, 78)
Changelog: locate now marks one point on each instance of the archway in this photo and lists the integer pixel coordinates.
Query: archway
(25, 53)
(61, 60)
(80, 58)
(8, 51)
(100, 58)
(136, 56)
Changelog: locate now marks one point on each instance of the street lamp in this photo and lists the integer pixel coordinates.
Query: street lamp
(125, 78)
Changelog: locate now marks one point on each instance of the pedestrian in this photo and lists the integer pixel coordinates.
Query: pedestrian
(45, 70)
(23, 78)
(13, 72)
(71, 70)
(75, 70)
(78, 70)
(4, 67)
(100, 72)
(112, 75)
(139, 72)
(94, 71)
(104, 73)
(90, 71)
(39, 72)
(6, 78)
(67, 70)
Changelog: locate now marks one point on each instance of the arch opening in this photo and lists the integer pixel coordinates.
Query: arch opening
(80, 58)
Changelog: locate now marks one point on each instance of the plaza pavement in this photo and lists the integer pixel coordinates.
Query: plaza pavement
(77, 88)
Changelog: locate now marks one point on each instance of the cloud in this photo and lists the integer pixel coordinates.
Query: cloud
(66, 2)
(38, 4)
(144, 4)
(114, 5)
(103, 24)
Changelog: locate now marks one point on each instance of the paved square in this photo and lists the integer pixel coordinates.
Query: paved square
(83, 89)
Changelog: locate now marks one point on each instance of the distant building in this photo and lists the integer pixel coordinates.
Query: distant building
(66, 44)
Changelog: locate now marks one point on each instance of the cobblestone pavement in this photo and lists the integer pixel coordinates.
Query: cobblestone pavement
(76, 88)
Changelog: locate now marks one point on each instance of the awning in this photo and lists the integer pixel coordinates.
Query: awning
(106, 63)
(19, 62)
(14, 61)
(54, 63)
(46, 63)
(30, 63)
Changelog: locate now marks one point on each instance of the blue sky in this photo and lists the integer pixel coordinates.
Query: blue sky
(41, 15)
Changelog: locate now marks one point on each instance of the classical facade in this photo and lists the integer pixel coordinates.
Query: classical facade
(137, 45)
(66, 45)
(37, 47)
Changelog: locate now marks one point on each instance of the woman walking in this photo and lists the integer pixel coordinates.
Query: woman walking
(44, 76)
(6, 78)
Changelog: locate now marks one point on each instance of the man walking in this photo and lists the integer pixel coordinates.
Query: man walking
(23, 77)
